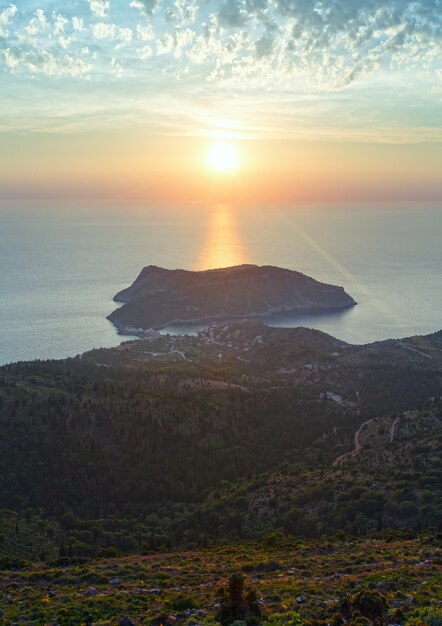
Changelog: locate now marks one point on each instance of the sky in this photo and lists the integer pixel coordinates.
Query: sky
(128, 99)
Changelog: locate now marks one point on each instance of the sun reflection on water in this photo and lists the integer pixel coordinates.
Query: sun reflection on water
(222, 245)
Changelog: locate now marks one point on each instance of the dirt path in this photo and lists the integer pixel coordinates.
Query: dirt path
(357, 445)
(393, 427)
(175, 350)
(413, 349)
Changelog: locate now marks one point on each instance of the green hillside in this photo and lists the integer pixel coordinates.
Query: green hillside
(371, 581)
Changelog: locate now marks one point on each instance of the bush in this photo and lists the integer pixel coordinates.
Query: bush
(274, 539)
(370, 603)
(181, 603)
(428, 617)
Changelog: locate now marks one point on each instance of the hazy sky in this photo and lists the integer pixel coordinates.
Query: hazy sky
(320, 99)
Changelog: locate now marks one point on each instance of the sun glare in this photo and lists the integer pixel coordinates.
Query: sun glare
(223, 157)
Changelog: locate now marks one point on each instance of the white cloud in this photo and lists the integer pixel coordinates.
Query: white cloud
(165, 45)
(99, 8)
(247, 43)
(183, 12)
(6, 17)
(44, 62)
(145, 52)
(136, 4)
(148, 5)
(145, 33)
(78, 24)
(11, 60)
(103, 30)
(330, 43)
(60, 21)
(116, 68)
(37, 24)
(125, 35)
(65, 42)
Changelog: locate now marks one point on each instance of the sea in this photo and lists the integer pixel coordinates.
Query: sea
(61, 265)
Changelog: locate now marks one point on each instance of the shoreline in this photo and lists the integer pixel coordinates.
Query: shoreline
(130, 330)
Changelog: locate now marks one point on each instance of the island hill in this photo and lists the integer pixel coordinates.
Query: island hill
(161, 297)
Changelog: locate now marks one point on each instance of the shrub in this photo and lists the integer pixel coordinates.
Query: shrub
(370, 603)
(181, 603)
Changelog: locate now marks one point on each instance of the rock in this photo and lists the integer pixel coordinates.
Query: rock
(91, 592)
(2, 612)
(126, 621)
(301, 599)
(115, 581)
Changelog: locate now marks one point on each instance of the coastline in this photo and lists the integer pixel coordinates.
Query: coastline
(129, 330)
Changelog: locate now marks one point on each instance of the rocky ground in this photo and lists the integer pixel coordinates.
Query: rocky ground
(294, 581)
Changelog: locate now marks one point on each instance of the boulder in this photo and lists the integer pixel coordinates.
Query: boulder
(301, 599)
(91, 592)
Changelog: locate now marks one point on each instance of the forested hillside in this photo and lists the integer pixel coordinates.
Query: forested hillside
(112, 440)
(232, 434)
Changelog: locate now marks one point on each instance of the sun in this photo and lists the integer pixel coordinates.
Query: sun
(223, 157)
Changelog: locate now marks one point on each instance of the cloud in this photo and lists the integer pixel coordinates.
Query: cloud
(38, 24)
(281, 47)
(116, 68)
(99, 8)
(184, 12)
(148, 6)
(165, 45)
(42, 61)
(145, 52)
(125, 35)
(145, 33)
(331, 42)
(78, 24)
(6, 17)
(60, 21)
(247, 43)
(103, 30)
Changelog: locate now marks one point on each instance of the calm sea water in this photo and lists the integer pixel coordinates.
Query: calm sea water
(59, 268)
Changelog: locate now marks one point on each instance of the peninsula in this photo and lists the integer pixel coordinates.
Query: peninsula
(161, 297)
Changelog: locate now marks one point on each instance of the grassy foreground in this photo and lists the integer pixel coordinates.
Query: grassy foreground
(296, 582)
